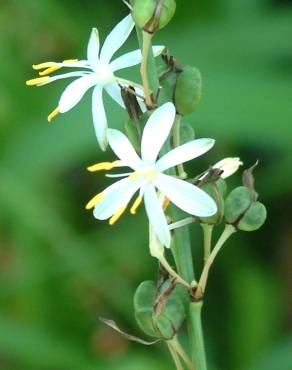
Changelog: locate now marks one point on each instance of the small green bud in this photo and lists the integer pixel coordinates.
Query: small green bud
(152, 15)
(188, 90)
(237, 203)
(254, 217)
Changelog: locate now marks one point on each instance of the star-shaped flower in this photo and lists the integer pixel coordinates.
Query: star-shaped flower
(147, 176)
(97, 71)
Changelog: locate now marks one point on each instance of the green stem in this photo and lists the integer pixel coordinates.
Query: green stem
(176, 143)
(207, 229)
(179, 349)
(175, 356)
(228, 231)
(197, 340)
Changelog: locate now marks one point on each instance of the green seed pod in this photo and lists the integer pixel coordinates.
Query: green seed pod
(237, 203)
(188, 90)
(160, 314)
(152, 15)
(144, 299)
(254, 217)
(217, 191)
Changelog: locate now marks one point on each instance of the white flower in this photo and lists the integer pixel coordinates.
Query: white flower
(97, 71)
(229, 166)
(147, 176)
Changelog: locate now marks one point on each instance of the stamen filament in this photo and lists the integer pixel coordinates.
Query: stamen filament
(136, 204)
(49, 70)
(117, 215)
(53, 114)
(95, 200)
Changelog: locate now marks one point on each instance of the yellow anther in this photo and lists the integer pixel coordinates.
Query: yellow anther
(136, 205)
(165, 203)
(95, 200)
(117, 215)
(49, 70)
(43, 65)
(104, 166)
(37, 81)
(53, 114)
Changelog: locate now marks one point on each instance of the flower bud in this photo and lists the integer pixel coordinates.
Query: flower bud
(152, 15)
(159, 313)
(254, 217)
(237, 203)
(229, 166)
(188, 90)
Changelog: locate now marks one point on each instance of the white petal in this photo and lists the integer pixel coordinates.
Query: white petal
(186, 196)
(156, 215)
(99, 117)
(184, 153)
(133, 58)
(116, 38)
(115, 93)
(156, 131)
(75, 91)
(117, 195)
(93, 48)
(122, 147)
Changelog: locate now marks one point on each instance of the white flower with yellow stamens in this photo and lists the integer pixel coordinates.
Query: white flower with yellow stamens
(147, 176)
(97, 71)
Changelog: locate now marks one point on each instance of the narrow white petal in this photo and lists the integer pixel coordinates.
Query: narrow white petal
(133, 58)
(229, 166)
(156, 215)
(116, 38)
(184, 153)
(122, 147)
(186, 196)
(156, 131)
(116, 196)
(48, 79)
(93, 48)
(114, 92)
(99, 117)
(75, 92)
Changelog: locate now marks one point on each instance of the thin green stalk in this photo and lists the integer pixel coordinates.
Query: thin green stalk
(179, 349)
(197, 339)
(175, 356)
(228, 231)
(176, 143)
(207, 229)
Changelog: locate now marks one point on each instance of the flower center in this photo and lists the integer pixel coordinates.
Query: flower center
(149, 173)
(104, 74)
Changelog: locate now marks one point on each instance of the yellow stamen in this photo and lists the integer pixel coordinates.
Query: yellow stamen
(43, 65)
(37, 81)
(117, 215)
(136, 205)
(165, 203)
(95, 200)
(49, 70)
(103, 166)
(53, 114)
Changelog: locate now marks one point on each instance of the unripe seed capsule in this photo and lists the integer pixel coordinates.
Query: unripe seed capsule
(188, 90)
(254, 217)
(237, 203)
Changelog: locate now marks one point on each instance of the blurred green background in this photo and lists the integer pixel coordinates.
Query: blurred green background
(60, 269)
